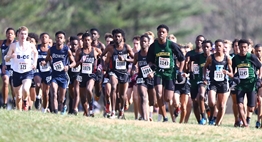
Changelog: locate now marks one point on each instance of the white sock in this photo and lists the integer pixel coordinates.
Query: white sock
(159, 117)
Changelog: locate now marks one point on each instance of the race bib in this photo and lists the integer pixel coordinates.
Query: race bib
(164, 63)
(87, 68)
(120, 65)
(146, 70)
(182, 82)
(139, 80)
(243, 73)
(76, 69)
(106, 80)
(11, 72)
(23, 66)
(207, 75)
(58, 66)
(44, 68)
(196, 69)
(219, 76)
(48, 79)
(79, 78)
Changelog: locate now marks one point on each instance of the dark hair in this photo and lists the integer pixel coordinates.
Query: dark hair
(163, 26)
(86, 35)
(144, 35)
(207, 41)
(9, 29)
(200, 36)
(16, 32)
(34, 36)
(257, 46)
(94, 29)
(79, 34)
(60, 32)
(108, 35)
(42, 34)
(73, 38)
(136, 38)
(241, 41)
(117, 31)
(219, 40)
(234, 41)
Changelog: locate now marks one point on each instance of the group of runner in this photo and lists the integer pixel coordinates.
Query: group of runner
(155, 73)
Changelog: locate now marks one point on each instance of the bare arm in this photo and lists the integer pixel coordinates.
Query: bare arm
(35, 55)
(208, 63)
(10, 52)
(77, 57)
(72, 59)
(131, 54)
(230, 71)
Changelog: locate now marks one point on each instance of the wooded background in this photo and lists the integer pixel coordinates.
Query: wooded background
(225, 19)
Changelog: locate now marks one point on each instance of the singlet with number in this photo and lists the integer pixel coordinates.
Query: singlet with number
(89, 62)
(23, 61)
(200, 60)
(245, 68)
(4, 50)
(216, 69)
(72, 72)
(41, 57)
(143, 67)
(59, 59)
(117, 64)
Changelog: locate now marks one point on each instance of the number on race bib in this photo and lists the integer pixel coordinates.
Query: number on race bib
(164, 63)
(87, 68)
(219, 76)
(45, 68)
(48, 79)
(58, 66)
(76, 69)
(243, 73)
(23, 66)
(120, 65)
(146, 70)
(196, 68)
(139, 80)
(106, 80)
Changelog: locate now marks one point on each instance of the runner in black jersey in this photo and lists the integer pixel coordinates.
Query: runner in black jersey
(118, 53)
(99, 74)
(6, 66)
(220, 66)
(73, 87)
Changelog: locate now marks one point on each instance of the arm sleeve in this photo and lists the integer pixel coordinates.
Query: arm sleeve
(151, 54)
(176, 50)
(255, 61)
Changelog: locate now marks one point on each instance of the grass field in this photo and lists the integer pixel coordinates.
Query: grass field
(35, 126)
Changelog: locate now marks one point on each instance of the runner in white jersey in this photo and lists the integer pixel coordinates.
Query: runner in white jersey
(22, 65)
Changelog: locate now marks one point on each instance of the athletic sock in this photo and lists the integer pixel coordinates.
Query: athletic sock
(248, 120)
(55, 111)
(203, 115)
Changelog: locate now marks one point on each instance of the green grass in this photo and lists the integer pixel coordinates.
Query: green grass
(35, 126)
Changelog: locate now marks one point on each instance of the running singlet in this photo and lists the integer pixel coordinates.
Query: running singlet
(117, 64)
(23, 61)
(216, 69)
(245, 69)
(4, 50)
(41, 57)
(88, 66)
(59, 59)
(143, 67)
(200, 60)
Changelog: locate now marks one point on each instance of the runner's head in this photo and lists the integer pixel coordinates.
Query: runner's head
(60, 38)
(44, 37)
(219, 46)
(10, 34)
(50, 42)
(87, 40)
(172, 38)
(108, 38)
(79, 35)
(74, 42)
(32, 38)
(251, 45)
(243, 46)
(162, 32)
(207, 46)
(227, 46)
(95, 34)
(144, 41)
(151, 36)
(118, 36)
(189, 47)
(136, 43)
(23, 33)
(258, 50)
(199, 40)
(235, 46)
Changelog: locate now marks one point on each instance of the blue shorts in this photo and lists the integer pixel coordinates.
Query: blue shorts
(46, 77)
(19, 77)
(83, 79)
(61, 80)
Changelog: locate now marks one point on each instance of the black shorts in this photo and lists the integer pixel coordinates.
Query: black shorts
(167, 84)
(19, 77)
(148, 83)
(84, 78)
(251, 97)
(194, 91)
(219, 87)
(122, 77)
(99, 76)
(182, 88)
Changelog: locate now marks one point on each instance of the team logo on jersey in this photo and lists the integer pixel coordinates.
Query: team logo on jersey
(22, 56)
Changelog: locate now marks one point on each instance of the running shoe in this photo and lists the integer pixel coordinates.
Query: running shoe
(63, 112)
(203, 121)
(96, 98)
(258, 124)
(165, 119)
(37, 103)
(25, 105)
